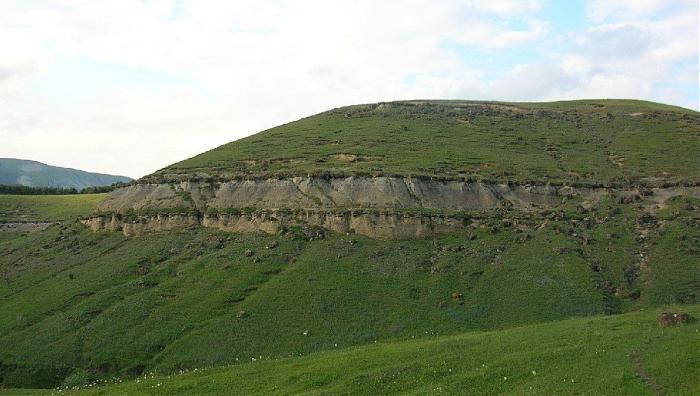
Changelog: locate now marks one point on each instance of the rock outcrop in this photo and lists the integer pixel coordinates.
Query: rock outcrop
(381, 207)
(383, 193)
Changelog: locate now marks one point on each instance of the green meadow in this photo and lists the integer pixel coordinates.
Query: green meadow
(47, 207)
(620, 354)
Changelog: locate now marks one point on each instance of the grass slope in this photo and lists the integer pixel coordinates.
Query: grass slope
(47, 207)
(71, 299)
(622, 354)
(587, 141)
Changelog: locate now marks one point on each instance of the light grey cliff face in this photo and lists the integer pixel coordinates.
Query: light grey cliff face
(382, 207)
(382, 193)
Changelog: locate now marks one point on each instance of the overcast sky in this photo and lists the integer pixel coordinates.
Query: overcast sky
(130, 86)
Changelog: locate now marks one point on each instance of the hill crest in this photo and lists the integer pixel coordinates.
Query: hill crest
(590, 142)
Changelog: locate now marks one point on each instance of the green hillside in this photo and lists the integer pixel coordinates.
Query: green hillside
(624, 354)
(36, 174)
(47, 207)
(596, 356)
(114, 305)
(588, 142)
(512, 288)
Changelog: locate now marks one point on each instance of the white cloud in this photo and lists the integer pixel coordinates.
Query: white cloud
(239, 67)
(506, 7)
(600, 10)
(488, 35)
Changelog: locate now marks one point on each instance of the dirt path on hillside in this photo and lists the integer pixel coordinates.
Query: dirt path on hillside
(641, 373)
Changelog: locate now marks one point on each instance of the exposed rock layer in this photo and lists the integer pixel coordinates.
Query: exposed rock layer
(381, 207)
(380, 225)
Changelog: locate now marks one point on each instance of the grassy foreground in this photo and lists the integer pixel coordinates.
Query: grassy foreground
(47, 207)
(621, 354)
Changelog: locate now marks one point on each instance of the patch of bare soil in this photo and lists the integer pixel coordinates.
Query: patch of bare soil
(644, 376)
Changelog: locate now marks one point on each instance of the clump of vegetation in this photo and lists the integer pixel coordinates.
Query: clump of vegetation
(77, 379)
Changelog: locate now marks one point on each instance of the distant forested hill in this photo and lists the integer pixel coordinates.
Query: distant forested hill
(35, 174)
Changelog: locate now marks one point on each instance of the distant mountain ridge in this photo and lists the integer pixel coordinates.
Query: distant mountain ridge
(36, 174)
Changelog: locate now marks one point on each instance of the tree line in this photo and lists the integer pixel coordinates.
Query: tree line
(26, 190)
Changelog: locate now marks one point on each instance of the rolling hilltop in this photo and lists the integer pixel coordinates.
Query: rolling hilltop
(35, 174)
(596, 142)
(416, 225)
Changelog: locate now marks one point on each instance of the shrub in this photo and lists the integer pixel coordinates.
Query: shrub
(78, 378)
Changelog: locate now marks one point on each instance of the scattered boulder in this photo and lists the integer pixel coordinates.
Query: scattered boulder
(242, 314)
(628, 199)
(248, 253)
(458, 297)
(313, 232)
(673, 318)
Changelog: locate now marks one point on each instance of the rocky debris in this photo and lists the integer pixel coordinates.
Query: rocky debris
(628, 199)
(314, 232)
(248, 253)
(673, 318)
(271, 245)
(458, 297)
(454, 248)
(25, 226)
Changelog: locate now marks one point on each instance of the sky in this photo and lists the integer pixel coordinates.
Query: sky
(128, 87)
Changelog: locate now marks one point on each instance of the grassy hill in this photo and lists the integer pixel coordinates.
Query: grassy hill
(36, 174)
(588, 142)
(81, 304)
